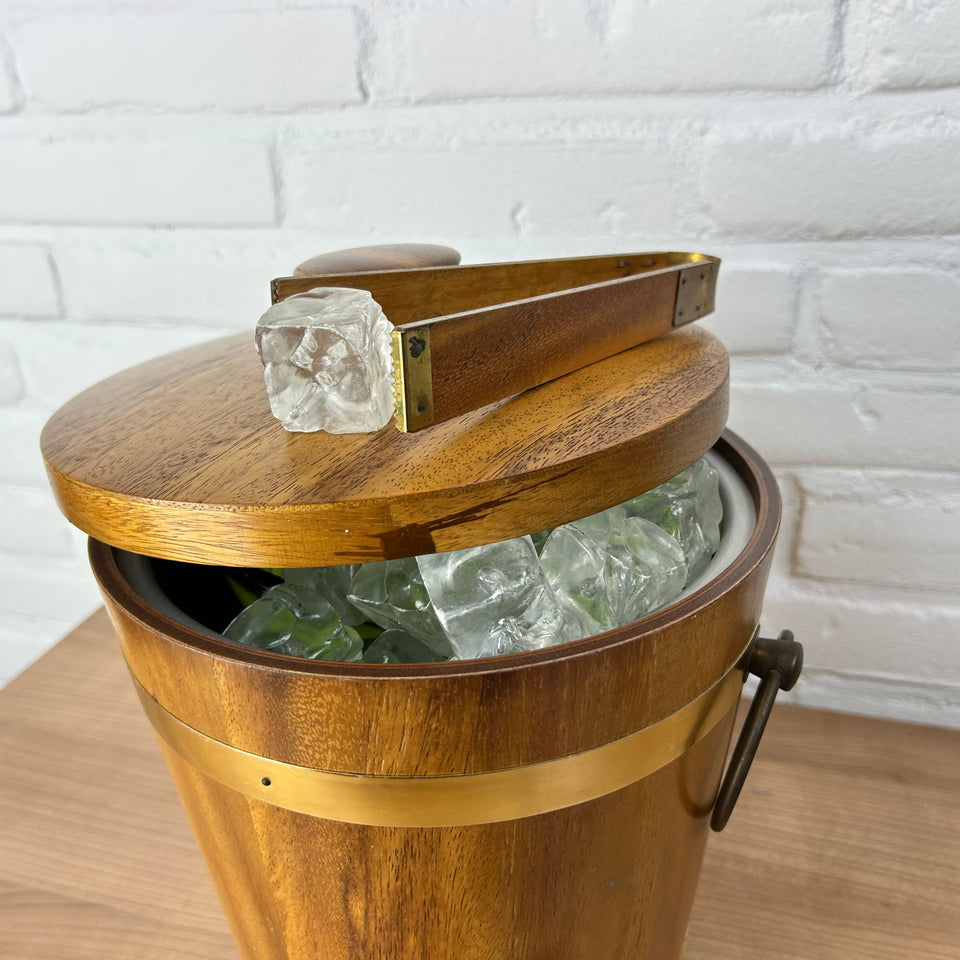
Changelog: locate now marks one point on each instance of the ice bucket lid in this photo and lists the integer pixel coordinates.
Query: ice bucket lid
(180, 458)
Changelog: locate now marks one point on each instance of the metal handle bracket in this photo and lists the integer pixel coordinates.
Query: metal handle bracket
(778, 664)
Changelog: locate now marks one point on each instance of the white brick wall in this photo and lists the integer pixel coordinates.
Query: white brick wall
(835, 420)
(570, 47)
(159, 163)
(189, 183)
(914, 44)
(59, 360)
(28, 286)
(30, 526)
(11, 380)
(881, 319)
(430, 188)
(189, 287)
(9, 94)
(755, 310)
(882, 528)
(244, 61)
(811, 182)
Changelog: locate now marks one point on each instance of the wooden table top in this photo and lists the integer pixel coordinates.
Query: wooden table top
(845, 845)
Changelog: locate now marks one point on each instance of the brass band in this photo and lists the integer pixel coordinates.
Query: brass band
(412, 380)
(448, 801)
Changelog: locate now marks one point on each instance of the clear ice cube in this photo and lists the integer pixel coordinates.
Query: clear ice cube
(494, 599)
(391, 593)
(333, 584)
(295, 620)
(398, 646)
(687, 507)
(327, 362)
(609, 569)
(595, 574)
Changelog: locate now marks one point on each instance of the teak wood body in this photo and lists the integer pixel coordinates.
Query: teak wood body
(853, 822)
(181, 458)
(495, 330)
(602, 880)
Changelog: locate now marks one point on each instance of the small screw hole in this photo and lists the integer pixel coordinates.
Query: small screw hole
(680, 313)
(266, 781)
(683, 280)
(699, 305)
(702, 275)
(421, 406)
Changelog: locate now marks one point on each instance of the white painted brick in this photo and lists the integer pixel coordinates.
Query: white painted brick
(32, 525)
(797, 424)
(9, 95)
(229, 291)
(11, 382)
(821, 184)
(27, 284)
(781, 571)
(567, 46)
(891, 319)
(20, 428)
(914, 44)
(160, 182)
(859, 631)
(59, 360)
(468, 190)
(900, 530)
(56, 588)
(269, 61)
(936, 704)
(755, 310)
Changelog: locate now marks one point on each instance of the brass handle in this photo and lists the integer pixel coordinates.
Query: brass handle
(778, 664)
(379, 256)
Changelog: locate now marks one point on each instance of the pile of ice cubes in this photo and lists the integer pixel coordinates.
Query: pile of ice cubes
(574, 581)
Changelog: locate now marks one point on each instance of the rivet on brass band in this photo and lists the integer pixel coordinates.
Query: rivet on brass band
(450, 801)
(696, 292)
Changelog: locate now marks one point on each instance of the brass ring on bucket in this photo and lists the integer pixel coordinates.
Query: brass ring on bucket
(458, 800)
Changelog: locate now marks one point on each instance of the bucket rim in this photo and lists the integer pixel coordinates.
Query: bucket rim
(748, 464)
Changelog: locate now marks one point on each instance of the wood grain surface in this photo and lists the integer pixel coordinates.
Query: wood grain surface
(484, 355)
(591, 878)
(380, 256)
(330, 715)
(845, 844)
(181, 458)
(414, 294)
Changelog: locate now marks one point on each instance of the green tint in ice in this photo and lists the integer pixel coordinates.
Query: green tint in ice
(391, 593)
(610, 569)
(293, 619)
(687, 507)
(333, 584)
(398, 646)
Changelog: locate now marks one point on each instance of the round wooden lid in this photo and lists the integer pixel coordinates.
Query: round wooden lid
(181, 458)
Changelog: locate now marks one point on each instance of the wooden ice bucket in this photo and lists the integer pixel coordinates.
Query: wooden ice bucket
(551, 805)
